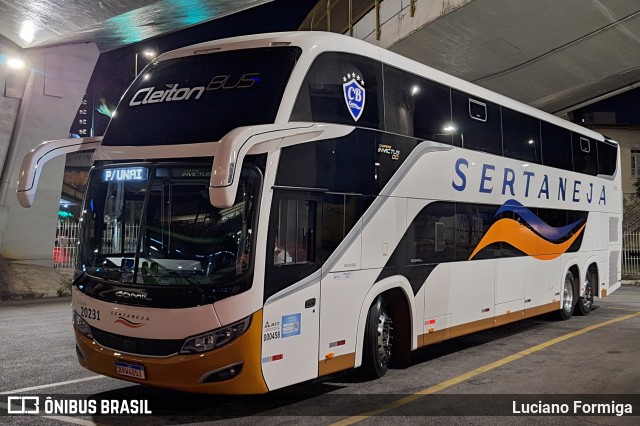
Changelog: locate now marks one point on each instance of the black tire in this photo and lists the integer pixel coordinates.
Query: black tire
(378, 334)
(585, 303)
(567, 293)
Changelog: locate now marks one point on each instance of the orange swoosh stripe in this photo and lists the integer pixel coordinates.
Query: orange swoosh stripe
(524, 239)
(128, 324)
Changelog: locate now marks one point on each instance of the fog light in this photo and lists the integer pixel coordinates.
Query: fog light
(225, 373)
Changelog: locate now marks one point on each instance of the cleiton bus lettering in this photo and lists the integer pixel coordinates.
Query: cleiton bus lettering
(537, 185)
(149, 95)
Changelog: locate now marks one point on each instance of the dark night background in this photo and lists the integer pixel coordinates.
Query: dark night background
(625, 106)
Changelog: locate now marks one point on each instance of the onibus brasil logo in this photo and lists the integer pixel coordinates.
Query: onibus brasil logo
(353, 89)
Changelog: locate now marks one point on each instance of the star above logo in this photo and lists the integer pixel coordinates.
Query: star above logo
(354, 76)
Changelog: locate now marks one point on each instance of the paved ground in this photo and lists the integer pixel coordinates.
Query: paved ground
(594, 359)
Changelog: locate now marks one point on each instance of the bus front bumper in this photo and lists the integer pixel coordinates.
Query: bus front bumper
(187, 372)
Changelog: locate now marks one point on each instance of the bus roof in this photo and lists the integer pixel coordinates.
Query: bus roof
(315, 42)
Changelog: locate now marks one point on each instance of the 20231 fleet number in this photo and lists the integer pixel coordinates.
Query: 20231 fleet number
(90, 313)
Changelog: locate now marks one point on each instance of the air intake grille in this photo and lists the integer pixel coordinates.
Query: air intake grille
(613, 229)
(133, 345)
(613, 267)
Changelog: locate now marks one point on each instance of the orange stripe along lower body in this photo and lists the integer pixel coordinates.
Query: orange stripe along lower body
(524, 239)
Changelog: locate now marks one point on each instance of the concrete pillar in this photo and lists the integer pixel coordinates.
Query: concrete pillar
(50, 100)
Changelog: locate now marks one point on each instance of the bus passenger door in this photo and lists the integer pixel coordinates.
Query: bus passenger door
(292, 289)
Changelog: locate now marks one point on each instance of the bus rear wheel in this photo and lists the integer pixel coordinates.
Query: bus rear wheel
(568, 299)
(376, 354)
(583, 307)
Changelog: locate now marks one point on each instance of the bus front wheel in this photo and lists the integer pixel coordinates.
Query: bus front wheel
(376, 353)
(568, 299)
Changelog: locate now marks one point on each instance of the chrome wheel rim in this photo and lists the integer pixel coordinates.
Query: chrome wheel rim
(587, 299)
(384, 337)
(567, 297)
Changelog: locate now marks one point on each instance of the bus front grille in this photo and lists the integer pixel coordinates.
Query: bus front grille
(137, 346)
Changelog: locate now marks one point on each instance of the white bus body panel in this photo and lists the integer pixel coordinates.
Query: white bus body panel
(383, 231)
(540, 279)
(147, 323)
(290, 336)
(471, 291)
(509, 280)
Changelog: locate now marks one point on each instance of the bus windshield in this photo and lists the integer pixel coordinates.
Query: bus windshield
(200, 98)
(154, 225)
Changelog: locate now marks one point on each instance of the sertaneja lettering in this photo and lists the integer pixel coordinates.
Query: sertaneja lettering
(538, 185)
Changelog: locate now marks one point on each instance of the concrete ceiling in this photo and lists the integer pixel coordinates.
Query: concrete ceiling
(551, 54)
(109, 23)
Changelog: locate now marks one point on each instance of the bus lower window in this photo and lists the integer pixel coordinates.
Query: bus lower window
(295, 239)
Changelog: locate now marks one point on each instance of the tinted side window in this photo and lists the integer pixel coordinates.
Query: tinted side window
(340, 213)
(556, 146)
(607, 158)
(585, 154)
(431, 236)
(476, 123)
(361, 162)
(293, 239)
(342, 165)
(472, 223)
(391, 151)
(521, 136)
(326, 88)
(415, 106)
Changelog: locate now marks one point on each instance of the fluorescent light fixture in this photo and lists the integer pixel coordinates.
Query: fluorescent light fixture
(15, 63)
(27, 31)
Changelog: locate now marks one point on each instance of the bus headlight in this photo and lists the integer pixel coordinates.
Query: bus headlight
(81, 325)
(214, 339)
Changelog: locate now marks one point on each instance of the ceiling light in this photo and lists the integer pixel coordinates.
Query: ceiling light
(27, 31)
(15, 63)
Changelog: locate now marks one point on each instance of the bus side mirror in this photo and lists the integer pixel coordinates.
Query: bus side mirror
(228, 159)
(33, 162)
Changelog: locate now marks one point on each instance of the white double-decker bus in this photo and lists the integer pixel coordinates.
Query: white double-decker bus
(268, 209)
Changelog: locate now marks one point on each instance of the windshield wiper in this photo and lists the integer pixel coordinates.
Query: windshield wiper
(188, 280)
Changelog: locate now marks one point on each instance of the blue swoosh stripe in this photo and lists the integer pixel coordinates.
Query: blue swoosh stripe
(547, 231)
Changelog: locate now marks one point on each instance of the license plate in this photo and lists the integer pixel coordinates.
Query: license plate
(130, 370)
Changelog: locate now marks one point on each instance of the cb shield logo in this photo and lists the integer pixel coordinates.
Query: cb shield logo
(354, 94)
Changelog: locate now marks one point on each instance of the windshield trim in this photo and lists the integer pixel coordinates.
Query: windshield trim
(243, 281)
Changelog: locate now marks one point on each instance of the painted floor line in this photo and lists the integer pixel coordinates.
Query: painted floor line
(51, 385)
(464, 377)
